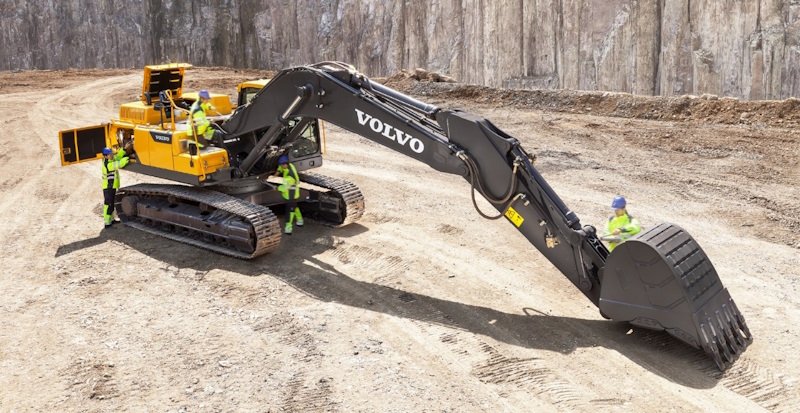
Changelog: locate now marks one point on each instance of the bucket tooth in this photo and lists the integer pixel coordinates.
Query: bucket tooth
(662, 275)
(711, 347)
(733, 336)
(741, 326)
(723, 342)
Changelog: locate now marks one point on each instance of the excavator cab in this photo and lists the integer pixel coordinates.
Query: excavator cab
(247, 90)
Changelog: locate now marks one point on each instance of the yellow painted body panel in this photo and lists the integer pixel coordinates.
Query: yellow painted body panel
(162, 75)
(143, 114)
(83, 144)
(145, 147)
(165, 66)
(207, 161)
(162, 149)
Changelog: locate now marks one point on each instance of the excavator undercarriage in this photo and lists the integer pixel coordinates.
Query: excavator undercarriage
(660, 279)
(200, 217)
(233, 224)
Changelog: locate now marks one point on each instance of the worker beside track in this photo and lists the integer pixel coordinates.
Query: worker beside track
(199, 122)
(621, 225)
(290, 189)
(111, 165)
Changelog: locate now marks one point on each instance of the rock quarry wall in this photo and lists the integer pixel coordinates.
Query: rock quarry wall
(749, 49)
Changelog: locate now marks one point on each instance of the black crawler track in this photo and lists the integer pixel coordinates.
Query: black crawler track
(230, 216)
(341, 205)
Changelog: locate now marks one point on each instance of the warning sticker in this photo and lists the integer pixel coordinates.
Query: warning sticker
(514, 217)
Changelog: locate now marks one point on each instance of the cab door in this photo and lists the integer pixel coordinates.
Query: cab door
(82, 144)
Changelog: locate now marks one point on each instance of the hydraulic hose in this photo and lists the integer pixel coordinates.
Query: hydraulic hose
(473, 173)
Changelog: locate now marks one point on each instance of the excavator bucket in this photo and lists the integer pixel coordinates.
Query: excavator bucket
(662, 280)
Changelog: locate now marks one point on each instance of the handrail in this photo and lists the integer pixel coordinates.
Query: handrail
(190, 121)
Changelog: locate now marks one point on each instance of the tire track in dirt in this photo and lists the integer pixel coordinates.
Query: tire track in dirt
(92, 380)
(507, 373)
(299, 393)
(10, 155)
(369, 259)
(760, 384)
(535, 376)
(746, 377)
(532, 374)
(304, 397)
(27, 176)
(378, 218)
(63, 191)
(51, 107)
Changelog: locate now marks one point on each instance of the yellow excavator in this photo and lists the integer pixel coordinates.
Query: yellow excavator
(235, 218)
(224, 199)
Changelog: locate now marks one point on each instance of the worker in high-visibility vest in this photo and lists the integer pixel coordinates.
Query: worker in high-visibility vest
(290, 189)
(198, 122)
(111, 165)
(621, 225)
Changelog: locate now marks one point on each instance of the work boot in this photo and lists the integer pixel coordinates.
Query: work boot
(299, 223)
(288, 229)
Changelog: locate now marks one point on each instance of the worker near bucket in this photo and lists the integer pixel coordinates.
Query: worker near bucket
(620, 226)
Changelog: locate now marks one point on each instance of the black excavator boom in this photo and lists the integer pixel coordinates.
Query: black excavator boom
(660, 279)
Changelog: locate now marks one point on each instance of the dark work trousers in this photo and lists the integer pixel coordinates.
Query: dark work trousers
(108, 200)
(290, 206)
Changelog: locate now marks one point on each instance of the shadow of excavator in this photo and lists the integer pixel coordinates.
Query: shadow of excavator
(295, 263)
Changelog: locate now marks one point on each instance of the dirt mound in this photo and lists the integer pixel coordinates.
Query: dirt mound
(705, 108)
(222, 80)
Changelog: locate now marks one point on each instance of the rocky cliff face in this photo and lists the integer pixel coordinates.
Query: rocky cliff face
(748, 49)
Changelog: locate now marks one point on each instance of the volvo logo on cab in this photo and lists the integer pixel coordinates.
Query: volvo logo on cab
(390, 132)
(161, 137)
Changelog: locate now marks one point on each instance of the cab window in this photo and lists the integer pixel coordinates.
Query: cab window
(308, 141)
(246, 95)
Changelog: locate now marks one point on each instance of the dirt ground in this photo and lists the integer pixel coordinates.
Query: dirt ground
(423, 305)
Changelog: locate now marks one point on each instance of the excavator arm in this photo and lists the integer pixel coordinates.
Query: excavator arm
(660, 279)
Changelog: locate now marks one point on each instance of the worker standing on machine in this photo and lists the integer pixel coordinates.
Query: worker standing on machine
(199, 125)
(290, 189)
(621, 225)
(111, 165)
